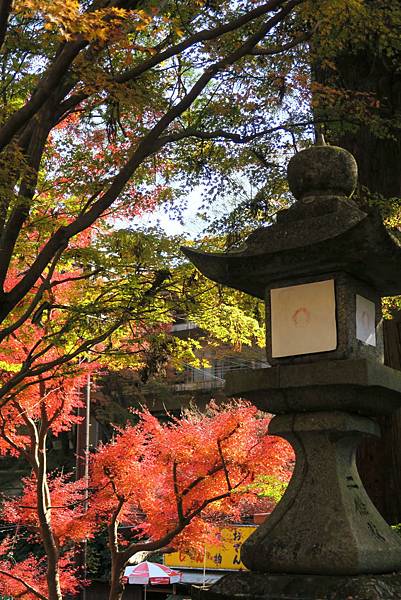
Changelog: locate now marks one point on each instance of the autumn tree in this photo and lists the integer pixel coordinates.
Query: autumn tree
(44, 403)
(82, 316)
(91, 93)
(97, 101)
(173, 483)
(168, 484)
(51, 507)
(53, 515)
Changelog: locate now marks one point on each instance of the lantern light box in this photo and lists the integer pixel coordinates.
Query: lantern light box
(338, 315)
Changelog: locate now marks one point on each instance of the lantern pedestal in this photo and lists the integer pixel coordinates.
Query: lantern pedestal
(345, 535)
(259, 586)
(325, 540)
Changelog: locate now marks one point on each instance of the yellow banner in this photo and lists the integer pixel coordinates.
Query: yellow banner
(226, 556)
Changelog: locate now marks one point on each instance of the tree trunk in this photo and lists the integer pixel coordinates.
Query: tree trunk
(116, 587)
(44, 515)
(379, 165)
(379, 461)
(51, 550)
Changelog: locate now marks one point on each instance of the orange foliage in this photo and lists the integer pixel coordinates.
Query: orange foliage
(68, 515)
(178, 475)
(27, 579)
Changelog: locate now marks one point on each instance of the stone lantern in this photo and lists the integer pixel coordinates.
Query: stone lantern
(322, 270)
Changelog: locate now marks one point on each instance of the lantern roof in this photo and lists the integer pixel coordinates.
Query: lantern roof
(323, 231)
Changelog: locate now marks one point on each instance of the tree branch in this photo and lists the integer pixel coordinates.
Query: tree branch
(52, 77)
(48, 83)
(21, 211)
(28, 587)
(19, 449)
(113, 526)
(198, 480)
(5, 10)
(260, 51)
(201, 36)
(27, 372)
(166, 539)
(178, 496)
(223, 462)
(37, 297)
(237, 138)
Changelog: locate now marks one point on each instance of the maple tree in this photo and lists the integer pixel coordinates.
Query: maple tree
(93, 98)
(53, 515)
(80, 317)
(173, 483)
(91, 92)
(46, 506)
(115, 308)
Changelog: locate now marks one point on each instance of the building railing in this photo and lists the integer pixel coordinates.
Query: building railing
(213, 377)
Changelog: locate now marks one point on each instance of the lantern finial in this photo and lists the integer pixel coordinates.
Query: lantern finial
(322, 170)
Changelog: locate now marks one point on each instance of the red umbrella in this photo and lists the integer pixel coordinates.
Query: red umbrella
(151, 573)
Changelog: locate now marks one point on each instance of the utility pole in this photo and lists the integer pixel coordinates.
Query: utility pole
(82, 462)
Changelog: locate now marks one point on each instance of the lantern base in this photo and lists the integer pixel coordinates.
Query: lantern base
(262, 586)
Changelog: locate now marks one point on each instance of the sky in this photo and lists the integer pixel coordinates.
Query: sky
(192, 225)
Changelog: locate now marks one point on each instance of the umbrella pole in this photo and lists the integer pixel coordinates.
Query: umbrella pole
(145, 592)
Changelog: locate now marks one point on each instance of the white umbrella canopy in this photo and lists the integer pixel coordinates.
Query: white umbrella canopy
(151, 573)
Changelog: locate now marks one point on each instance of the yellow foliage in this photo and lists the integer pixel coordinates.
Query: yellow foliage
(66, 17)
(10, 367)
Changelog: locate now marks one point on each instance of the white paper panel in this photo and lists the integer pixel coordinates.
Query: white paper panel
(303, 319)
(365, 320)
